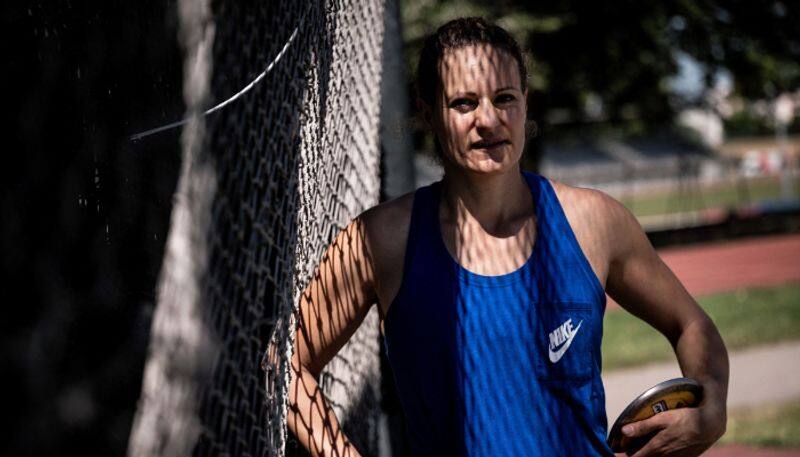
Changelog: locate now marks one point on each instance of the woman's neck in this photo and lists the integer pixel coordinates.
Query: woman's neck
(493, 201)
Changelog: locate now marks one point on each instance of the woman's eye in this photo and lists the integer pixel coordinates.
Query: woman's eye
(505, 98)
(462, 104)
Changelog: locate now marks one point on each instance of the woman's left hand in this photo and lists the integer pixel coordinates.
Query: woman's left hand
(684, 432)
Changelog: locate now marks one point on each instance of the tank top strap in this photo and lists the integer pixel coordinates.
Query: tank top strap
(419, 229)
(557, 240)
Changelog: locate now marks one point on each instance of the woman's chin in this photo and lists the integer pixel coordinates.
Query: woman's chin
(487, 167)
(488, 163)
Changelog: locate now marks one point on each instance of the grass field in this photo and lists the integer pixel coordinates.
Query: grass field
(726, 195)
(745, 318)
(766, 426)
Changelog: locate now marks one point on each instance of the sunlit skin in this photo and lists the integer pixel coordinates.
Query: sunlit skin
(489, 226)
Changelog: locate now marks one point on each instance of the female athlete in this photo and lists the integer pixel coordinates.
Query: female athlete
(491, 288)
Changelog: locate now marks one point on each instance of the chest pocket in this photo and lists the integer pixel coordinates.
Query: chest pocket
(565, 338)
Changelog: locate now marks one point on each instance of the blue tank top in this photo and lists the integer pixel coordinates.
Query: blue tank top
(504, 365)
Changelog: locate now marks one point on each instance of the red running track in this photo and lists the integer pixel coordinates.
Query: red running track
(744, 451)
(720, 267)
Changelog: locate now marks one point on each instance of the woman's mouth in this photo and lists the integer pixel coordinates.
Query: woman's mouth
(489, 144)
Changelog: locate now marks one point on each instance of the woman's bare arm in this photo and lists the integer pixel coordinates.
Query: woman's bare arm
(640, 281)
(331, 308)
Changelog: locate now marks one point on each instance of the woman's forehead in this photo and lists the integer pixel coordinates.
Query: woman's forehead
(478, 67)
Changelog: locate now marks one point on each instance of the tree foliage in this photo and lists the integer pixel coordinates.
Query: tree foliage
(618, 57)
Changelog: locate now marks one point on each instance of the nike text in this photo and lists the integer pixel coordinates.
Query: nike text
(562, 335)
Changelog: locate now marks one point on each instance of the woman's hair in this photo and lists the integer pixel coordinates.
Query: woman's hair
(456, 34)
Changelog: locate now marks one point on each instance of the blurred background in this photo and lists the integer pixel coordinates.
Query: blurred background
(687, 112)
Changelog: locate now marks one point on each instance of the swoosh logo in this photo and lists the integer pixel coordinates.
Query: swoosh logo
(555, 356)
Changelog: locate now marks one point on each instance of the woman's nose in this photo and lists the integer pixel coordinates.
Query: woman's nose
(486, 116)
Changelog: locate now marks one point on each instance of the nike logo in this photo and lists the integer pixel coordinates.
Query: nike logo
(562, 336)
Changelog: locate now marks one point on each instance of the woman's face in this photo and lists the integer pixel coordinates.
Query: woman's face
(479, 115)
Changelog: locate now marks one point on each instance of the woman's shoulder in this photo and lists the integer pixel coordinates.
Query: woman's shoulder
(581, 202)
(387, 226)
(389, 217)
(601, 223)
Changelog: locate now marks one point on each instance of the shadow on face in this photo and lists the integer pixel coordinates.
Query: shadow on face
(480, 109)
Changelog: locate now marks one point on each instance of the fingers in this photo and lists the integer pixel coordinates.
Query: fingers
(649, 449)
(645, 427)
(643, 435)
(662, 446)
(673, 433)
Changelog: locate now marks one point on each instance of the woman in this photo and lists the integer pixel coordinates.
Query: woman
(491, 287)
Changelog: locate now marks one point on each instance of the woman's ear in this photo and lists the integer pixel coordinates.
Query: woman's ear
(426, 111)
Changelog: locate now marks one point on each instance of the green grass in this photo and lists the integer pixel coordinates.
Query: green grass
(730, 195)
(777, 426)
(747, 317)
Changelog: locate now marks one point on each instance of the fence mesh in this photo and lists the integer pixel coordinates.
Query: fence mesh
(295, 159)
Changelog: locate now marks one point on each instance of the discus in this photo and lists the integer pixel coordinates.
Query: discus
(673, 394)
